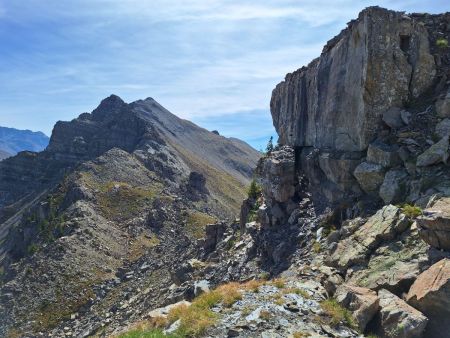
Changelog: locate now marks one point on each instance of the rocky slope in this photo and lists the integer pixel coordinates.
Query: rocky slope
(13, 140)
(125, 182)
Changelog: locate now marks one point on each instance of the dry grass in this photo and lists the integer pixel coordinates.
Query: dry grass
(195, 319)
(253, 285)
(230, 293)
(301, 334)
(337, 313)
(196, 223)
(265, 315)
(297, 291)
(140, 245)
(280, 283)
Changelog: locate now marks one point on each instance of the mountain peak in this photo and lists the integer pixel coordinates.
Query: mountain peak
(111, 105)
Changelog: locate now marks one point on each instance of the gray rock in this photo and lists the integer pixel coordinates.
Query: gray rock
(320, 106)
(370, 176)
(393, 188)
(434, 224)
(443, 128)
(383, 154)
(443, 106)
(406, 116)
(398, 319)
(392, 117)
(436, 153)
(363, 303)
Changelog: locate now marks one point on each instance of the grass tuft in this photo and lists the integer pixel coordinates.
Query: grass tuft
(337, 313)
(411, 211)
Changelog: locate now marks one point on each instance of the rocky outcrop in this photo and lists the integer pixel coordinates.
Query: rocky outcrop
(320, 105)
(434, 224)
(342, 131)
(430, 293)
(398, 319)
(383, 226)
(363, 303)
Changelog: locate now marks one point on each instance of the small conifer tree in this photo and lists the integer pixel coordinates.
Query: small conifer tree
(269, 147)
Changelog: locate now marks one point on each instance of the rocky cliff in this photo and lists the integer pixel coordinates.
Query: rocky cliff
(363, 100)
(363, 149)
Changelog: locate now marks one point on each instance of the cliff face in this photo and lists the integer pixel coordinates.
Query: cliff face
(368, 87)
(381, 60)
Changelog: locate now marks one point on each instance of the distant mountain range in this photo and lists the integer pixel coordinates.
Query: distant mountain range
(13, 141)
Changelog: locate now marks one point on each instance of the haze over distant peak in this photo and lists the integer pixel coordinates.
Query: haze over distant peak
(14, 140)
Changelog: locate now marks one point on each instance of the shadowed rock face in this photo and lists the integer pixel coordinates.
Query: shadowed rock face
(380, 61)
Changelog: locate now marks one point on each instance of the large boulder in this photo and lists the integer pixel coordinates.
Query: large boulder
(394, 185)
(443, 128)
(430, 293)
(434, 224)
(395, 264)
(383, 154)
(437, 153)
(382, 226)
(443, 106)
(370, 176)
(363, 303)
(398, 319)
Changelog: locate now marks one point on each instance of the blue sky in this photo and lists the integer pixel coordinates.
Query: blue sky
(214, 62)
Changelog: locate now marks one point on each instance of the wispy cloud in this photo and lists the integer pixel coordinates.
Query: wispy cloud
(213, 61)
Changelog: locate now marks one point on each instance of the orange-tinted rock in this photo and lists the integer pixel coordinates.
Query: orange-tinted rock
(430, 293)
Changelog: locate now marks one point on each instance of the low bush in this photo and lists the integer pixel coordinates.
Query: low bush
(442, 43)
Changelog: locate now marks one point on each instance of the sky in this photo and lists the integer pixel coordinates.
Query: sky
(214, 62)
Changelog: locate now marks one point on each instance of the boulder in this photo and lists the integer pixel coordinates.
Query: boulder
(393, 118)
(443, 106)
(434, 224)
(369, 176)
(398, 319)
(437, 153)
(394, 185)
(395, 264)
(430, 293)
(443, 128)
(382, 226)
(201, 286)
(383, 154)
(406, 116)
(363, 303)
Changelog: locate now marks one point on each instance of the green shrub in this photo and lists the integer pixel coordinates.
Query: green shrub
(254, 191)
(32, 249)
(442, 43)
(411, 210)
